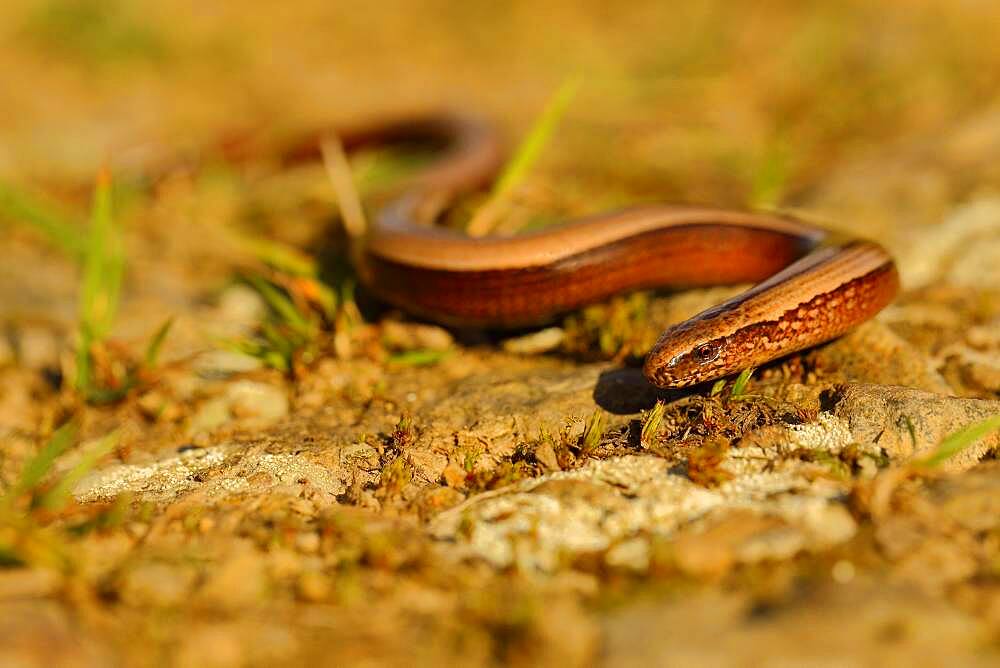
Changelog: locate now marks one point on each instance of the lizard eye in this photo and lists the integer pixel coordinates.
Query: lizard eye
(706, 352)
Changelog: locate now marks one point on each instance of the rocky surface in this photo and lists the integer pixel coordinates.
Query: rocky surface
(405, 494)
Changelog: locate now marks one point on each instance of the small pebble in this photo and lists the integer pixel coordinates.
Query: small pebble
(632, 554)
(541, 341)
(38, 348)
(157, 584)
(241, 306)
(154, 406)
(308, 542)
(210, 415)
(224, 363)
(546, 456)
(28, 583)
(248, 398)
(314, 586)
(236, 583)
(412, 336)
(984, 336)
(982, 375)
(843, 571)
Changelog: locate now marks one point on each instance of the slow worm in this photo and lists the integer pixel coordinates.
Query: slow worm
(811, 285)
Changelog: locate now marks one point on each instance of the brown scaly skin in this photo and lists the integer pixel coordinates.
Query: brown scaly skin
(691, 352)
(812, 287)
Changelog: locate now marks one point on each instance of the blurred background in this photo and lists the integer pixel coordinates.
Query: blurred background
(873, 118)
(878, 118)
(732, 102)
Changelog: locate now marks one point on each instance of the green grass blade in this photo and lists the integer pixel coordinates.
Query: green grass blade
(34, 211)
(156, 343)
(524, 157)
(593, 431)
(740, 386)
(109, 395)
(651, 424)
(955, 443)
(327, 299)
(770, 176)
(84, 374)
(281, 305)
(57, 497)
(419, 357)
(377, 169)
(350, 314)
(39, 465)
(103, 265)
(528, 151)
(281, 256)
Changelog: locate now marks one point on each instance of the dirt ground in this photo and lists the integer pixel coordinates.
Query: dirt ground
(344, 485)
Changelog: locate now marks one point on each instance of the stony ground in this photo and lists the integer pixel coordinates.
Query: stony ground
(403, 494)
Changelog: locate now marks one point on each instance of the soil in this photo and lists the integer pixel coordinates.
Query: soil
(396, 493)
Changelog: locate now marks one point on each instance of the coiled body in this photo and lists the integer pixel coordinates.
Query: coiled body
(811, 286)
